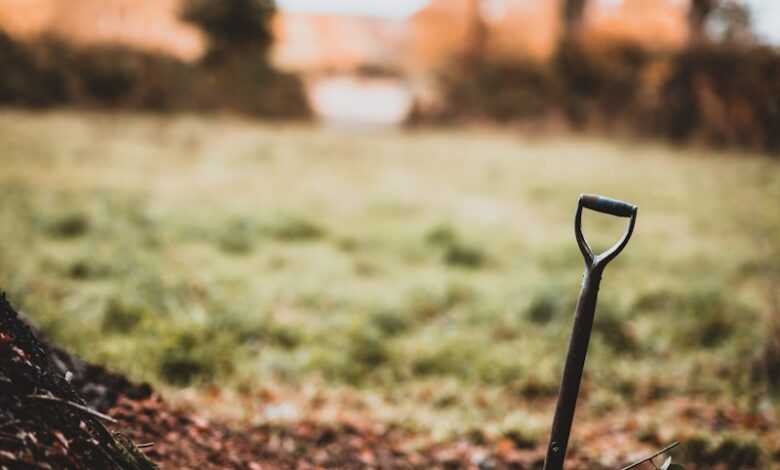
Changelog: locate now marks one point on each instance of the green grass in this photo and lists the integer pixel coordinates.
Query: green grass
(198, 251)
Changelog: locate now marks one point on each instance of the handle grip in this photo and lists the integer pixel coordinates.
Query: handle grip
(607, 205)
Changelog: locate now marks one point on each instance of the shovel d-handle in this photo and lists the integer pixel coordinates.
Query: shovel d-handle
(607, 205)
(583, 321)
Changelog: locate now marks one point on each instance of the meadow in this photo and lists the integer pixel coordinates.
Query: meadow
(424, 277)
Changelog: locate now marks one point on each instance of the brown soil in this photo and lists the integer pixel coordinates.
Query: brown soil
(44, 421)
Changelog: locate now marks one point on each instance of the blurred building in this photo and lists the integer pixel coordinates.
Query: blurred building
(444, 29)
(413, 34)
(386, 62)
(423, 36)
(655, 24)
(151, 25)
(381, 51)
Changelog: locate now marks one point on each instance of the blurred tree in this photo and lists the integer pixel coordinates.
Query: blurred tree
(733, 22)
(477, 31)
(698, 14)
(572, 14)
(236, 73)
(232, 25)
(720, 20)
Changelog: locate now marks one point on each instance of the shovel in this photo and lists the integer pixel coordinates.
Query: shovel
(583, 321)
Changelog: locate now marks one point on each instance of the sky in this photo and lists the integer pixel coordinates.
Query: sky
(765, 13)
(380, 8)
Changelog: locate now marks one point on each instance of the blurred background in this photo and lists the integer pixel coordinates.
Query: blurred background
(313, 209)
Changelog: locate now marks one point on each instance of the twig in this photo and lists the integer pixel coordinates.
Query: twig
(99, 428)
(81, 408)
(8, 424)
(145, 445)
(650, 458)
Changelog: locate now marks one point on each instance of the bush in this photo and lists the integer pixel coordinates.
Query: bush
(598, 84)
(689, 95)
(232, 23)
(28, 78)
(501, 92)
(704, 98)
(49, 72)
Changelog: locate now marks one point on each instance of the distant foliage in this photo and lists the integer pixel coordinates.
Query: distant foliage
(232, 23)
(50, 72)
(233, 75)
(725, 95)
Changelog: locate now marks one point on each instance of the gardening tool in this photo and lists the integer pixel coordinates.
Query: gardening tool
(583, 321)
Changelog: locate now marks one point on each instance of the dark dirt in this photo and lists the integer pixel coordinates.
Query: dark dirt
(44, 422)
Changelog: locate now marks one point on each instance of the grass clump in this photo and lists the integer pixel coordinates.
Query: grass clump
(238, 237)
(194, 354)
(294, 228)
(464, 255)
(389, 322)
(355, 357)
(733, 451)
(706, 317)
(714, 315)
(542, 310)
(441, 235)
(448, 359)
(121, 317)
(613, 330)
(461, 354)
(455, 251)
(90, 266)
(68, 224)
(549, 303)
(285, 337)
(182, 362)
(366, 348)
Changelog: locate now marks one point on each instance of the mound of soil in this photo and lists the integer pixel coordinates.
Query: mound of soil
(44, 421)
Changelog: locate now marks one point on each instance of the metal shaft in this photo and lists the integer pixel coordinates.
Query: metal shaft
(583, 321)
(572, 372)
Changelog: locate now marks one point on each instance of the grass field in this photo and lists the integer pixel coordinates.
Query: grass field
(429, 275)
